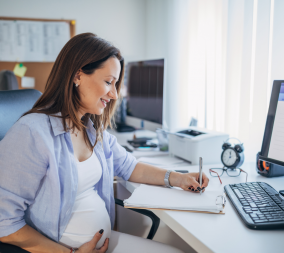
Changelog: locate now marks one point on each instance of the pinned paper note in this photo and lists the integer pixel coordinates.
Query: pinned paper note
(28, 82)
(20, 70)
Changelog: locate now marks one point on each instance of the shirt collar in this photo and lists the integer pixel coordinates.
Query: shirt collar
(57, 125)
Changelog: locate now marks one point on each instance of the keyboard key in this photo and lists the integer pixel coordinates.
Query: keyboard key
(275, 219)
(238, 193)
(260, 221)
(252, 204)
(262, 205)
(275, 215)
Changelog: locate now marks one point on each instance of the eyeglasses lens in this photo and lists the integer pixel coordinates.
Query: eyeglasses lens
(233, 172)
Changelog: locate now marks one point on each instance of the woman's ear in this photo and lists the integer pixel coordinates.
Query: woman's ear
(77, 77)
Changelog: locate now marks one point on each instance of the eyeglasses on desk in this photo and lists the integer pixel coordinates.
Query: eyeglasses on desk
(231, 172)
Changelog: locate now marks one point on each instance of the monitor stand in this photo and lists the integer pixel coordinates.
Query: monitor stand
(122, 128)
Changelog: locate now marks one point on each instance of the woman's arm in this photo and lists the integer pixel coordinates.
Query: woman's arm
(148, 174)
(29, 239)
(126, 166)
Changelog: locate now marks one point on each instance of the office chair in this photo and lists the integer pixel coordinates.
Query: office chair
(13, 104)
(8, 80)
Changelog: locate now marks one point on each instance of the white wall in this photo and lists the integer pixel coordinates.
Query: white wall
(167, 22)
(121, 22)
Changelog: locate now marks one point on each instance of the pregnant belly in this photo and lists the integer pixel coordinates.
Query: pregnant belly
(89, 215)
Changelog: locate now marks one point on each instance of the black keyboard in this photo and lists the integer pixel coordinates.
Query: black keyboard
(258, 204)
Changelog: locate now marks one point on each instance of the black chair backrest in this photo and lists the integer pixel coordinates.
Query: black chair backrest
(13, 104)
(8, 80)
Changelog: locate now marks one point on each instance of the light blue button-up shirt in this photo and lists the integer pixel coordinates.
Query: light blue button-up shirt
(38, 174)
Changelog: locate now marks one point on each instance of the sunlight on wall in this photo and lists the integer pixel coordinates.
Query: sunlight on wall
(269, 84)
(206, 63)
(254, 23)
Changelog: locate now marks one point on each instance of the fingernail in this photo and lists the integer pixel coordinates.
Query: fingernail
(203, 188)
(198, 188)
(101, 231)
(192, 189)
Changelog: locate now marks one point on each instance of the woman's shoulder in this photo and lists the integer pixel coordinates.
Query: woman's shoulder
(37, 124)
(29, 132)
(34, 120)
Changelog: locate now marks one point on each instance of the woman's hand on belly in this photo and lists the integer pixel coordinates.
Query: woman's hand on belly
(90, 247)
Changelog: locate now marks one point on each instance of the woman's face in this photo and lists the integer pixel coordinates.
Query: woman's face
(97, 89)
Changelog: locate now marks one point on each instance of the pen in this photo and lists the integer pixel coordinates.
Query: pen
(182, 171)
(200, 173)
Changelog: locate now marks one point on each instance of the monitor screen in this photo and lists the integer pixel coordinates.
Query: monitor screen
(273, 141)
(144, 82)
(276, 148)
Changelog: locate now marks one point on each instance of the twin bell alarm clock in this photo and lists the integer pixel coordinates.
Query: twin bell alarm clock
(233, 154)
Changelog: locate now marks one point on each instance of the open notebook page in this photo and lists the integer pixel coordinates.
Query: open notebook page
(148, 196)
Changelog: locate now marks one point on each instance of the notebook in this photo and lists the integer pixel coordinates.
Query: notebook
(159, 197)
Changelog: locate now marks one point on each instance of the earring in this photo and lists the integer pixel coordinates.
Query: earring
(76, 85)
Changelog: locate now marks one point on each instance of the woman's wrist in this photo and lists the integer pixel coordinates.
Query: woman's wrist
(175, 179)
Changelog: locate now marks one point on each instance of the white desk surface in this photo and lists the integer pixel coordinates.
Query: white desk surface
(220, 233)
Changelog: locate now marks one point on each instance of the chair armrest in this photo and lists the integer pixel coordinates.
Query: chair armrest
(155, 219)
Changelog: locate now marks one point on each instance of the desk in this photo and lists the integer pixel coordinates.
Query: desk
(221, 233)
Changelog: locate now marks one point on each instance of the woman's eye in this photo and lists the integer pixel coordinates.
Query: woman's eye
(109, 83)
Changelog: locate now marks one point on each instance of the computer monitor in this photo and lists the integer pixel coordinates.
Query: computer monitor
(273, 141)
(145, 87)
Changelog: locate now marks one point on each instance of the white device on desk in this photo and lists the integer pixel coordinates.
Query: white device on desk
(195, 142)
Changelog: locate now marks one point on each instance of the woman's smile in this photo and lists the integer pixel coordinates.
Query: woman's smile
(104, 102)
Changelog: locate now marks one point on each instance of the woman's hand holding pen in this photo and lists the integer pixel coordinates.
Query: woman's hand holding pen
(189, 181)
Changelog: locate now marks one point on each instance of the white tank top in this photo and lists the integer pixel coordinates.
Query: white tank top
(89, 214)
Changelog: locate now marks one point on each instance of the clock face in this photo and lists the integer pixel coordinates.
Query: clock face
(229, 157)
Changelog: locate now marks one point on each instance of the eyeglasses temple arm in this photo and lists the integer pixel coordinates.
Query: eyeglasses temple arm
(217, 174)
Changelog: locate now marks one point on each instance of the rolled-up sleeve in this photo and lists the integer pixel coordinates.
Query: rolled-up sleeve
(22, 167)
(123, 162)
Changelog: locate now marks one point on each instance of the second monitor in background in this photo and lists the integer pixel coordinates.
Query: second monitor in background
(145, 87)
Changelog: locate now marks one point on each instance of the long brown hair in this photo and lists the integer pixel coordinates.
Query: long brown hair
(86, 52)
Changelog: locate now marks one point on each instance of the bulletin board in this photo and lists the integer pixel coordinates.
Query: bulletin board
(37, 66)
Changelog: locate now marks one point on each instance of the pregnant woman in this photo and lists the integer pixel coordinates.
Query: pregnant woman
(57, 162)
